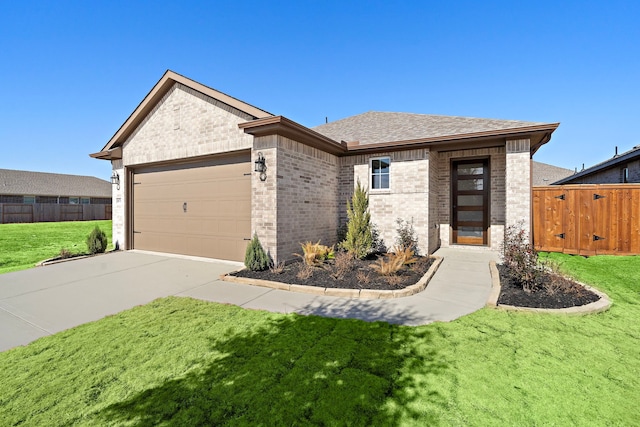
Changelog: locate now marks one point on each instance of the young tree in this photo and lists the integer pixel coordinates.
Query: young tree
(359, 239)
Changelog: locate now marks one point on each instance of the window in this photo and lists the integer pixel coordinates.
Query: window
(624, 175)
(84, 200)
(29, 199)
(74, 200)
(380, 173)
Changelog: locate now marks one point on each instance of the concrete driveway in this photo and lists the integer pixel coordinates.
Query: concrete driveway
(45, 300)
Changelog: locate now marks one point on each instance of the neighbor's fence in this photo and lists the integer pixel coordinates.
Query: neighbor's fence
(51, 212)
(587, 219)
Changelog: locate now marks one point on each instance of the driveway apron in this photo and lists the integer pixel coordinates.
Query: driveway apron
(45, 300)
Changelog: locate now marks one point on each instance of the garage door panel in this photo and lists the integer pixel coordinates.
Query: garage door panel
(217, 220)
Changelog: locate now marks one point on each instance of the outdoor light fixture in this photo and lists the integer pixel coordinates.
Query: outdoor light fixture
(115, 179)
(261, 167)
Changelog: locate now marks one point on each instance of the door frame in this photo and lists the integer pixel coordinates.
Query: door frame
(486, 200)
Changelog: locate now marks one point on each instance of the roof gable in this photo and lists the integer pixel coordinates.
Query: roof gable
(17, 182)
(168, 80)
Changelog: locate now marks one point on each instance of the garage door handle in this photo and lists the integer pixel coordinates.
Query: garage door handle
(184, 206)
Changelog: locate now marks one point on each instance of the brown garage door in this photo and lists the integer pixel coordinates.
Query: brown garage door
(201, 209)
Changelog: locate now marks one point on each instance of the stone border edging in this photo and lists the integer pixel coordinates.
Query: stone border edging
(343, 293)
(603, 304)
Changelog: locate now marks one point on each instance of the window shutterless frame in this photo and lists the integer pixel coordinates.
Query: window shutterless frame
(379, 173)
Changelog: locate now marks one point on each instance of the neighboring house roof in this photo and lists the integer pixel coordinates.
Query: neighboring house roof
(112, 150)
(627, 156)
(544, 174)
(16, 182)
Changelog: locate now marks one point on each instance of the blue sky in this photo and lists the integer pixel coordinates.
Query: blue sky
(73, 71)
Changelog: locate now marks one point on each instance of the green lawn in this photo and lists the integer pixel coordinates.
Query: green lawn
(179, 361)
(23, 245)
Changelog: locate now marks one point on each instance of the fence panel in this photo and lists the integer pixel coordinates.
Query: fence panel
(15, 213)
(52, 212)
(587, 219)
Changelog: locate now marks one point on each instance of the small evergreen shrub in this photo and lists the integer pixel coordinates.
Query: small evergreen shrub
(406, 235)
(97, 241)
(256, 259)
(359, 240)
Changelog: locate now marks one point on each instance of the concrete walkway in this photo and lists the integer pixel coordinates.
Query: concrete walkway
(45, 300)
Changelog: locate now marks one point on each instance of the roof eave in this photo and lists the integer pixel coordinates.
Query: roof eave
(602, 166)
(544, 131)
(279, 125)
(112, 154)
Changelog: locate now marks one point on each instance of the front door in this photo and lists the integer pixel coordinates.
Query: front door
(470, 201)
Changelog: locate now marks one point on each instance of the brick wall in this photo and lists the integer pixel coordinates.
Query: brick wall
(186, 123)
(434, 222)
(518, 183)
(118, 206)
(298, 201)
(497, 211)
(407, 197)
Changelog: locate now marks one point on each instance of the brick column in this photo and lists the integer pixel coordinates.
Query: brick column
(518, 183)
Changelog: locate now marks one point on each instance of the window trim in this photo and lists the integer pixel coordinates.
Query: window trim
(371, 174)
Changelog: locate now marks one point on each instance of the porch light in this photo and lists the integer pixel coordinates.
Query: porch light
(261, 167)
(115, 179)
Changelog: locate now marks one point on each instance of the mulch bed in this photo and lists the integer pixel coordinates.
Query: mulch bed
(360, 275)
(552, 291)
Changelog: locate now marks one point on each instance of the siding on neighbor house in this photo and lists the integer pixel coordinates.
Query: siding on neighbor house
(407, 197)
(612, 175)
(298, 201)
(497, 160)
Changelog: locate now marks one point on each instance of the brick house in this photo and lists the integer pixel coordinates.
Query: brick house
(620, 169)
(190, 160)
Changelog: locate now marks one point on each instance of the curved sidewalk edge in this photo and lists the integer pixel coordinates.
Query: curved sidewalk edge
(343, 293)
(603, 304)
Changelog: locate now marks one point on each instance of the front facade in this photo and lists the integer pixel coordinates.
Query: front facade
(187, 156)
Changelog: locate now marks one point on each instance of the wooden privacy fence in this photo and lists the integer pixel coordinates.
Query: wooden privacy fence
(51, 212)
(587, 219)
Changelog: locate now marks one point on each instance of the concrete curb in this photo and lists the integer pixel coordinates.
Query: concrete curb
(603, 304)
(343, 293)
(52, 261)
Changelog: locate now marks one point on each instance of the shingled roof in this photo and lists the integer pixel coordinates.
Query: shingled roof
(16, 182)
(379, 127)
(627, 156)
(545, 174)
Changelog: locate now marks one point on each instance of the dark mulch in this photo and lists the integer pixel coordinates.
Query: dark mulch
(360, 275)
(552, 291)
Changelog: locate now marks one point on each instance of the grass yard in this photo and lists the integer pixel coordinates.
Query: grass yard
(179, 361)
(23, 245)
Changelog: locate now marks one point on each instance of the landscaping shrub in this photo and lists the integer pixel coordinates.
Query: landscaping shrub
(407, 237)
(391, 263)
(377, 243)
(315, 253)
(96, 241)
(344, 263)
(520, 257)
(256, 259)
(359, 240)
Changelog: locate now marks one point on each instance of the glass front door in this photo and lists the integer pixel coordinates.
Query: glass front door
(470, 201)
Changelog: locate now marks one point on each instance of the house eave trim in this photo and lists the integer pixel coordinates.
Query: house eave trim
(280, 125)
(113, 154)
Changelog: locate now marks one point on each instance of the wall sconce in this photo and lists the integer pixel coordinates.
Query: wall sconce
(261, 167)
(115, 179)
